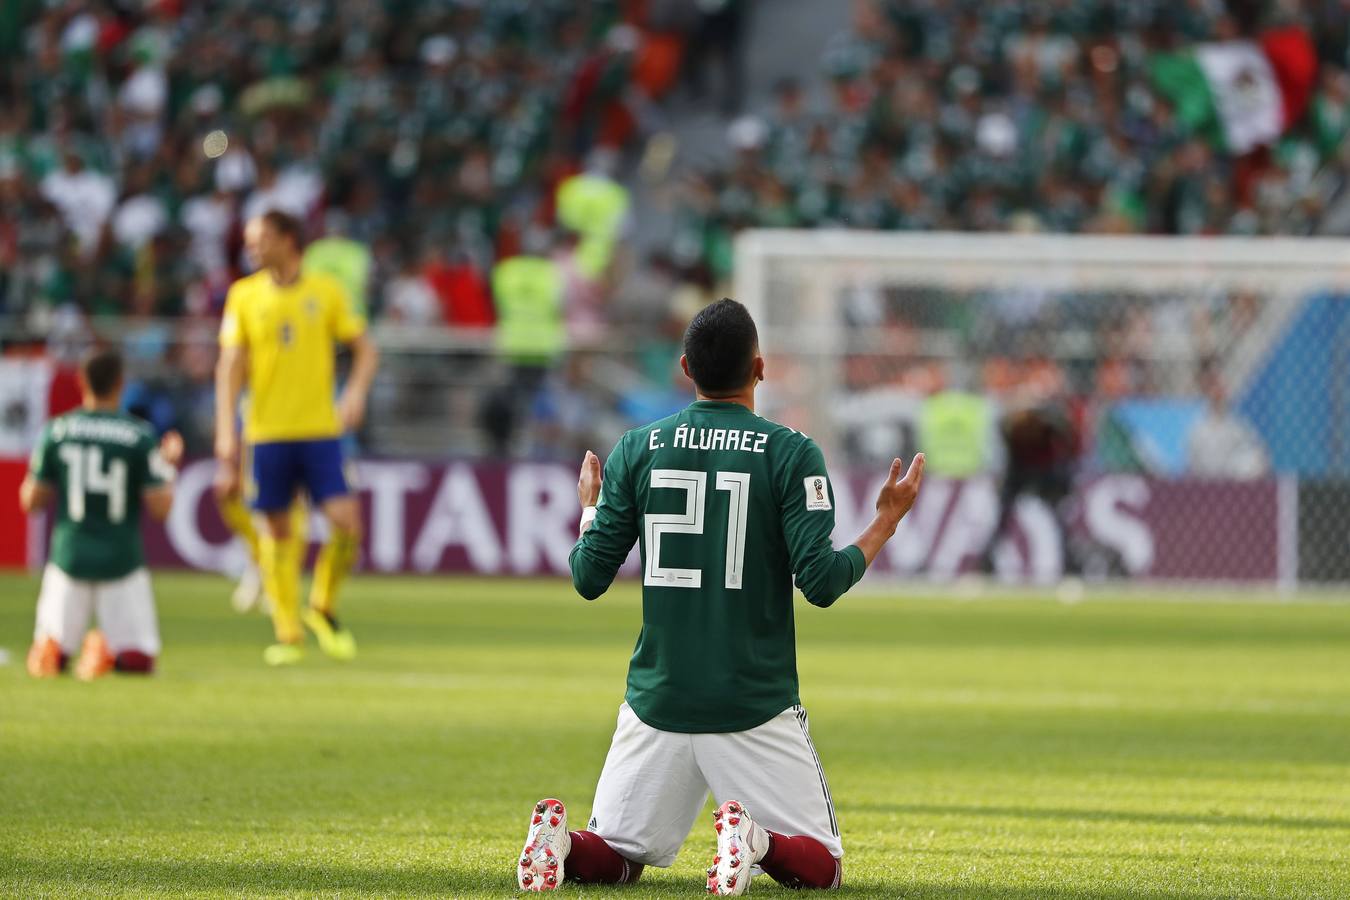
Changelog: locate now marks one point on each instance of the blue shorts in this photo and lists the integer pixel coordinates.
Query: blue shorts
(280, 467)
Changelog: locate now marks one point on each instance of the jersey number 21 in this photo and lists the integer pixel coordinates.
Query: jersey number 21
(695, 486)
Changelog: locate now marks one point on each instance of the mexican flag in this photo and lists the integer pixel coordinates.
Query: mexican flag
(1245, 93)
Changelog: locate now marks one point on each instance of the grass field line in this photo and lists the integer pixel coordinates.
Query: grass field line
(1002, 699)
(1068, 699)
(526, 591)
(1182, 592)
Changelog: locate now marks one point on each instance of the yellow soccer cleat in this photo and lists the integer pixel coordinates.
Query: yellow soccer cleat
(334, 640)
(283, 654)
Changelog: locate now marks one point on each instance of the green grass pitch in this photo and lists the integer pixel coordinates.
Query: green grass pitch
(992, 748)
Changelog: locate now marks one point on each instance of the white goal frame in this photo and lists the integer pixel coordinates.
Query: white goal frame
(826, 260)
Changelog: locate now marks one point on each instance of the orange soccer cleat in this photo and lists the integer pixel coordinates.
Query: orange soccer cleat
(96, 660)
(44, 658)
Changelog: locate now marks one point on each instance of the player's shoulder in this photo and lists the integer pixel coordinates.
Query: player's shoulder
(642, 431)
(248, 285)
(57, 426)
(642, 434)
(785, 441)
(252, 281)
(324, 282)
(650, 436)
(143, 430)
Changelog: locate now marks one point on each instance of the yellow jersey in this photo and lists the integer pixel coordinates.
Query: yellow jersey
(289, 332)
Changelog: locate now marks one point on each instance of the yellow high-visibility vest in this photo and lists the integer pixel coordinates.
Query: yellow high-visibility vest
(594, 207)
(528, 293)
(346, 260)
(954, 432)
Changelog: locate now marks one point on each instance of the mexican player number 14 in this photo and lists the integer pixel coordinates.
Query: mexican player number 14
(85, 475)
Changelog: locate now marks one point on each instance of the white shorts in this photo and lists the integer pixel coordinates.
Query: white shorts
(655, 783)
(125, 608)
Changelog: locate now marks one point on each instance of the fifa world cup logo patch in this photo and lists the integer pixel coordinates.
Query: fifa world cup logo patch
(817, 492)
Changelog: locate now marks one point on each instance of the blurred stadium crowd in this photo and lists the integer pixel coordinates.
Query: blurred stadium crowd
(483, 156)
(1035, 115)
(134, 139)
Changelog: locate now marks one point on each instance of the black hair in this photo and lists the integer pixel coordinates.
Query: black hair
(102, 370)
(286, 225)
(720, 346)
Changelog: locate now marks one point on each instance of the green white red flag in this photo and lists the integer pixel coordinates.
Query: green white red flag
(1244, 94)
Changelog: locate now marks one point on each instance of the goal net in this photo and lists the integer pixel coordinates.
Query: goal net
(1115, 407)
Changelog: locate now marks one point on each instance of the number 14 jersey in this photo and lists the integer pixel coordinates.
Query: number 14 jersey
(99, 463)
(727, 508)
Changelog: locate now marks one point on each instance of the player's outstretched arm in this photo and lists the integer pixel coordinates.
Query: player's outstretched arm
(608, 523)
(896, 498)
(588, 487)
(822, 573)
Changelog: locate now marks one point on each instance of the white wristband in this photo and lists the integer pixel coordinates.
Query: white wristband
(587, 517)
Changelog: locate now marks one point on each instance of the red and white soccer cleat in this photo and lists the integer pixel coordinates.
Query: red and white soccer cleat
(540, 866)
(740, 844)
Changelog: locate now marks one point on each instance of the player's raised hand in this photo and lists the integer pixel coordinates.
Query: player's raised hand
(171, 448)
(588, 484)
(897, 494)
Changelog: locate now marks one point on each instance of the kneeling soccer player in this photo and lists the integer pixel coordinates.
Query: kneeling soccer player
(728, 507)
(103, 467)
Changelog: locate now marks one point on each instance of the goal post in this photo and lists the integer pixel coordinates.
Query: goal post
(1205, 382)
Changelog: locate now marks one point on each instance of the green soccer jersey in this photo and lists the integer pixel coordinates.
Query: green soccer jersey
(99, 463)
(727, 508)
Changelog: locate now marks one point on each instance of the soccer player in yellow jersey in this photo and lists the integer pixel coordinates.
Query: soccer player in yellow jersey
(279, 336)
(349, 262)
